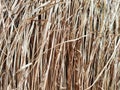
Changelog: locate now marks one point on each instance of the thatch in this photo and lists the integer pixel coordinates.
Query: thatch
(59, 44)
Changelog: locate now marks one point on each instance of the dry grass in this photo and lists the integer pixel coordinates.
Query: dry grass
(59, 45)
